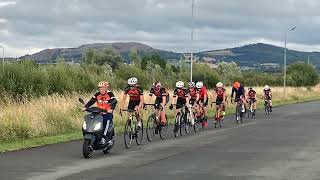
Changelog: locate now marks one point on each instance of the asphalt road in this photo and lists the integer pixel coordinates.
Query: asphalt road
(285, 145)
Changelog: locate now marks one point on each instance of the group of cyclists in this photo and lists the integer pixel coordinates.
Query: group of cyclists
(195, 97)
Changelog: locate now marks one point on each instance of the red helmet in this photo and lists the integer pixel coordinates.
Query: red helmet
(236, 85)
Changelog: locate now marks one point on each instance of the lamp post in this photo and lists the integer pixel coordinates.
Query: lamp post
(2, 58)
(192, 23)
(285, 61)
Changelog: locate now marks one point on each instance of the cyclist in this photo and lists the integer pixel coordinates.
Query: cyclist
(220, 98)
(252, 96)
(182, 99)
(136, 98)
(162, 98)
(193, 97)
(203, 100)
(106, 101)
(239, 90)
(267, 95)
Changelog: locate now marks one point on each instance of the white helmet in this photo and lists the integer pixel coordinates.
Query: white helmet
(219, 85)
(132, 81)
(199, 85)
(191, 84)
(266, 87)
(179, 84)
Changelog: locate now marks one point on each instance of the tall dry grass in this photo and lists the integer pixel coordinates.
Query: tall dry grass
(56, 114)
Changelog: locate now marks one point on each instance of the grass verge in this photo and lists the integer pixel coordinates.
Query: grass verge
(76, 135)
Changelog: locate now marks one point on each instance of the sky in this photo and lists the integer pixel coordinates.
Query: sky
(28, 26)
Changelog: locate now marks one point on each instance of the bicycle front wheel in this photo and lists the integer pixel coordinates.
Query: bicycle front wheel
(128, 134)
(163, 132)
(151, 128)
(139, 134)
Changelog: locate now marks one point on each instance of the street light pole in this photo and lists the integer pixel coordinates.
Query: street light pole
(192, 22)
(285, 61)
(2, 58)
(285, 64)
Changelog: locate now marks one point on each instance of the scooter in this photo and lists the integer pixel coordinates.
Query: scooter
(93, 130)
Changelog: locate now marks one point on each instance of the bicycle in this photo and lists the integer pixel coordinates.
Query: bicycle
(267, 107)
(251, 111)
(218, 116)
(153, 127)
(130, 129)
(182, 121)
(199, 119)
(239, 110)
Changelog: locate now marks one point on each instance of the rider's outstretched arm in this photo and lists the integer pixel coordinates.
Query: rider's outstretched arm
(232, 92)
(92, 101)
(123, 100)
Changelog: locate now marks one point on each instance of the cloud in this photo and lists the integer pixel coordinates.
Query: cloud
(8, 3)
(31, 25)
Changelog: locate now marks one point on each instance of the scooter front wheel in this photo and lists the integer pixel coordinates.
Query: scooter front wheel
(86, 148)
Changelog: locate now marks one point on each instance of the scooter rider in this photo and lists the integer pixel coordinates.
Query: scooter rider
(106, 101)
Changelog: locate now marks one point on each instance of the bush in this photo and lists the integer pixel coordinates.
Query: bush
(302, 74)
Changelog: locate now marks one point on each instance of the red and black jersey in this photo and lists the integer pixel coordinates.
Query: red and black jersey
(267, 92)
(134, 92)
(220, 92)
(158, 92)
(203, 92)
(252, 94)
(181, 93)
(193, 93)
(103, 100)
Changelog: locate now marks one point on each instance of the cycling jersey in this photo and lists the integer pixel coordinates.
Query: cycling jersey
(181, 93)
(104, 101)
(203, 92)
(193, 93)
(134, 92)
(220, 92)
(252, 94)
(267, 94)
(239, 92)
(158, 92)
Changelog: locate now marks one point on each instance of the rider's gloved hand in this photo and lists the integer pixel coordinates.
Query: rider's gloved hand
(171, 107)
(84, 109)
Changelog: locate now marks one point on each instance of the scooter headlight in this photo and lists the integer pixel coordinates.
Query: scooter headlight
(97, 126)
(84, 125)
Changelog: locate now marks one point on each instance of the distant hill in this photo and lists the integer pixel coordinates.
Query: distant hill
(258, 56)
(77, 54)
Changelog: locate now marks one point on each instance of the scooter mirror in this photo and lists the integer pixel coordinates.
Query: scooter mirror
(81, 100)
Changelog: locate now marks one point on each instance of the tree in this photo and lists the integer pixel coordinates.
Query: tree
(89, 58)
(302, 74)
(134, 58)
(108, 56)
(228, 72)
(155, 59)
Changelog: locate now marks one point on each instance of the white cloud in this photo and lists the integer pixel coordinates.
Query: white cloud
(8, 3)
